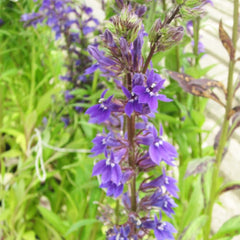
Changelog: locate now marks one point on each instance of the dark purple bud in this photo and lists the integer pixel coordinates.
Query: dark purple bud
(138, 79)
(1, 22)
(87, 10)
(66, 121)
(137, 52)
(169, 37)
(68, 96)
(155, 30)
(78, 109)
(124, 48)
(108, 38)
(141, 10)
(126, 201)
(66, 78)
(120, 3)
(178, 35)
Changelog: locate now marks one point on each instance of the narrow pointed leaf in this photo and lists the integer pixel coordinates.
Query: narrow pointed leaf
(226, 41)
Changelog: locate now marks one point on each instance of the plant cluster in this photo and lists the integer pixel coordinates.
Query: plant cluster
(132, 144)
(74, 25)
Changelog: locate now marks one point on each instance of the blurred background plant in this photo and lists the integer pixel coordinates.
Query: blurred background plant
(31, 95)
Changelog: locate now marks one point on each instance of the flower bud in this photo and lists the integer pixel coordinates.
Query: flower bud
(155, 31)
(108, 38)
(141, 10)
(169, 36)
(188, 13)
(120, 3)
(127, 25)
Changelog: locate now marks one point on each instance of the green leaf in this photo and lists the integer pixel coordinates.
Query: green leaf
(45, 101)
(13, 153)
(230, 228)
(198, 117)
(195, 205)
(53, 219)
(234, 185)
(29, 123)
(194, 228)
(80, 224)
(198, 72)
(30, 235)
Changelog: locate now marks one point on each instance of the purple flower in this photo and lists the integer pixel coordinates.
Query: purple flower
(163, 201)
(68, 96)
(161, 150)
(132, 104)
(189, 26)
(102, 141)
(1, 22)
(91, 69)
(87, 10)
(145, 162)
(149, 94)
(158, 199)
(162, 230)
(113, 189)
(161, 182)
(86, 30)
(66, 121)
(109, 169)
(107, 65)
(119, 234)
(79, 109)
(66, 78)
(101, 112)
(99, 145)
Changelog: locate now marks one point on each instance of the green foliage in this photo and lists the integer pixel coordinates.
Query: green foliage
(30, 90)
(229, 229)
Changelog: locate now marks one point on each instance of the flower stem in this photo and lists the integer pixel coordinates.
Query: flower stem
(224, 133)
(153, 47)
(149, 58)
(131, 151)
(196, 27)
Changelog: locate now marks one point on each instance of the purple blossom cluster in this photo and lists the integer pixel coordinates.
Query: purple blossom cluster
(131, 144)
(74, 25)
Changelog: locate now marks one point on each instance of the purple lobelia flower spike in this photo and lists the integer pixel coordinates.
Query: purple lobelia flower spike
(131, 143)
(74, 25)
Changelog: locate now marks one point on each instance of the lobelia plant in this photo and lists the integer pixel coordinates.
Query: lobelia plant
(73, 25)
(131, 144)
